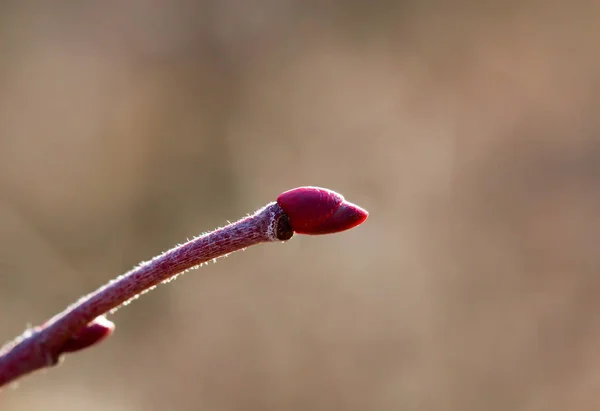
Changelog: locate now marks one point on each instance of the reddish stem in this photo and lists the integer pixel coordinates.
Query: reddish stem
(83, 324)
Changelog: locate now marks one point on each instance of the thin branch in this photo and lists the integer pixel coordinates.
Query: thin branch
(307, 210)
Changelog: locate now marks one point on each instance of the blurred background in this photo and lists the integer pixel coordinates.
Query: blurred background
(468, 130)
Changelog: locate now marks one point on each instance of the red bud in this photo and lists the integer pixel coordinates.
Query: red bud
(315, 210)
(93, 333)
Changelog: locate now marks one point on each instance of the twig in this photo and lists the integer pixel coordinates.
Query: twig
(305, 210)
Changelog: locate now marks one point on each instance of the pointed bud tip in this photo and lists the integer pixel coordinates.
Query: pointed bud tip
(354, 215)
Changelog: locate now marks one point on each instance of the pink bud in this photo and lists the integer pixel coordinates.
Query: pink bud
(93, 333)
(315, 210)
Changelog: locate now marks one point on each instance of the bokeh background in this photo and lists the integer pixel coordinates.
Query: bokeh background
(469, 130)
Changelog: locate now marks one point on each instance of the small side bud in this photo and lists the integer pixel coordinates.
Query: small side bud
(91, 334)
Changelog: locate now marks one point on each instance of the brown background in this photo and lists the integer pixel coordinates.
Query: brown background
(468, 130)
